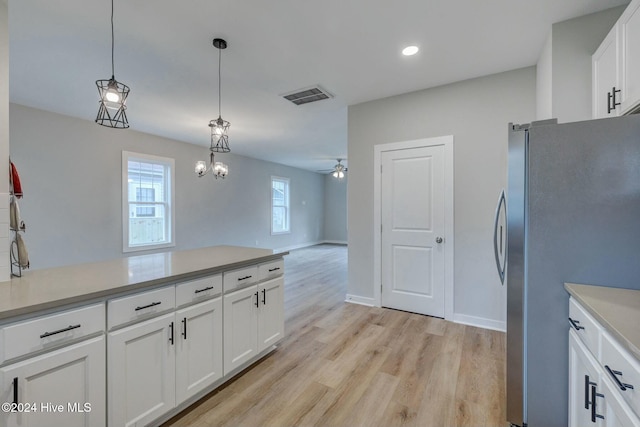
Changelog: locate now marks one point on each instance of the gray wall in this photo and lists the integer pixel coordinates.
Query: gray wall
(476, 112)
(4, 141)
(544, 81)
(573, 43)
(71, 174)
(335, 209)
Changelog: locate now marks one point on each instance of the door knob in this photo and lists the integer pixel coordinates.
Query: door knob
(438, 239)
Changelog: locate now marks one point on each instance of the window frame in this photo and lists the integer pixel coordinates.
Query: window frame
(169, 203)
(287, 204)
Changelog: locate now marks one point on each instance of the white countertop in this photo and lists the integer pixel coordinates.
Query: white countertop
(617, 310)
(55, 287)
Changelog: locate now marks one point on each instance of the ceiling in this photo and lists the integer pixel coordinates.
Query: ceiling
(164, 52)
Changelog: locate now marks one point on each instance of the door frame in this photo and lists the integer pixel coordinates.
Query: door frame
(447, 142)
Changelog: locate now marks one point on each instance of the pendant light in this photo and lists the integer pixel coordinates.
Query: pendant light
(113, 96)
(219, 128)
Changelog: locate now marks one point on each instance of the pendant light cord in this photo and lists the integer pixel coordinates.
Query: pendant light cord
(112, 42)
(219, 83)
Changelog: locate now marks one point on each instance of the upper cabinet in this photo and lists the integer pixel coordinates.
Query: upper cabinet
(616, 67)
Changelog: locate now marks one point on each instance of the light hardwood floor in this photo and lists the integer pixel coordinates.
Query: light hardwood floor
(349, 365)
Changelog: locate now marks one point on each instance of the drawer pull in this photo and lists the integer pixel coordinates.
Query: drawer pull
(59, 331)
(184, 328)
(264, 296)
(614, 375)
(274, 269)
(153, 304)
(257, 299)
(171, 333)
(15, 390)
(208, 288)
(244, 278)
(594, 413)
(574, 323)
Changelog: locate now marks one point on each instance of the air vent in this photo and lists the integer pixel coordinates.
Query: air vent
(307, 95)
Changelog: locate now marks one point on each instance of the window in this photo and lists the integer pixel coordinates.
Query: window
(279, 205)
(147, 202)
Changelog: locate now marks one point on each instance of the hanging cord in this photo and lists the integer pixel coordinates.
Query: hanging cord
(112, 43)
(219, 83)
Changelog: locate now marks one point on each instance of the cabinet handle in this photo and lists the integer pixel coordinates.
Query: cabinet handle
(609, 107)
(614, 375)
(59, 331)
(594, 413)
(614, 104)
(587, 383)
(153, 304)
(15, 390)
(208, 288)
(264, 296)
(574, 323)
(257, 300)
(171, 333)
(184, 328)
(244, 278)
(274, 269)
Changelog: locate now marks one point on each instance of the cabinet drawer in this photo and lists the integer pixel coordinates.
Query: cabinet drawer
(50, 331)
(240, 278)
(585, 326)
(198, 290)
(134, 308)
(627, 370)
(271, 269)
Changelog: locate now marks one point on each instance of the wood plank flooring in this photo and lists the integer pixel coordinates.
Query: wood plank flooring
(349, 365)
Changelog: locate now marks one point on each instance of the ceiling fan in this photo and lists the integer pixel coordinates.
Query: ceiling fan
(338, 170)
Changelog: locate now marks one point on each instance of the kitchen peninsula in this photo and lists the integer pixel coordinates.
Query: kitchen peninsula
(150, 334)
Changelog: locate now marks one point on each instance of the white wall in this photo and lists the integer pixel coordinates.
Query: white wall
(544, 81)
(71, 174)
(4, 142)
(476, 112)
(335, 209)
(573, 43)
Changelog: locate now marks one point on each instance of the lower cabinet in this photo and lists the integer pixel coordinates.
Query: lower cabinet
(253, 321)
(584, 386)
(158, 364)
(65, 387)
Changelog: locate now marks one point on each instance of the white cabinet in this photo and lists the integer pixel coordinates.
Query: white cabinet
(584, 386)
(141, 367)
(198, 348)
(616, 67)
(65, 387)
(605, 75)
(629, 58)
(615, 412)
(253, 321)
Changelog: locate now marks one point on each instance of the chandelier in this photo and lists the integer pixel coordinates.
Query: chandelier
(219, 129)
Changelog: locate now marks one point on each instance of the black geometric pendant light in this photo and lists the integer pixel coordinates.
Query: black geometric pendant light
(113, 96)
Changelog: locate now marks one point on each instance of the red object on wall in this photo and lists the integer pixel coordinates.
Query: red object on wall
(15, 181)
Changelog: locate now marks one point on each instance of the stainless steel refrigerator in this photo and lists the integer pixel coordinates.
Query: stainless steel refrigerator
(572, 215)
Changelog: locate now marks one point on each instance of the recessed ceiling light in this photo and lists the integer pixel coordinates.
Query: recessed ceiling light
(410, 50)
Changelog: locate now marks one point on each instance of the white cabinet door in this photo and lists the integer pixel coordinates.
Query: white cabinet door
(58, 385)
(240, 327)
(270, 313)
(606, 77)
(141, 371)
(584, 386)
(616, 412)
(629, 24)
(198, 348)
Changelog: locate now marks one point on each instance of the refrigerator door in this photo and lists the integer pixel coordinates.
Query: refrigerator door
(516, 276)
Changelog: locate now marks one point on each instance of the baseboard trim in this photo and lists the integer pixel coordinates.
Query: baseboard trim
(355, 299)
(480, 322)
(298, 246)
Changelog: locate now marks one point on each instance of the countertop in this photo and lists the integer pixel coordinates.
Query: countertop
(617, 310)
(46, 289)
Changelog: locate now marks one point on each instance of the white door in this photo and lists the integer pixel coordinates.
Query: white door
(630, 32)
(584, 383)
(240, 327)
(413, 225)
(141, 371)
(605, 77)
(616, 412)
(56, 386)
(199, 348)
(271, 313)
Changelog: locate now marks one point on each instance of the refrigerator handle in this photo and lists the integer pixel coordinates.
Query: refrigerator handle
(498, 237)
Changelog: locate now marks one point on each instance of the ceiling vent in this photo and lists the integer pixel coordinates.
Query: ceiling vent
(307, 95)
